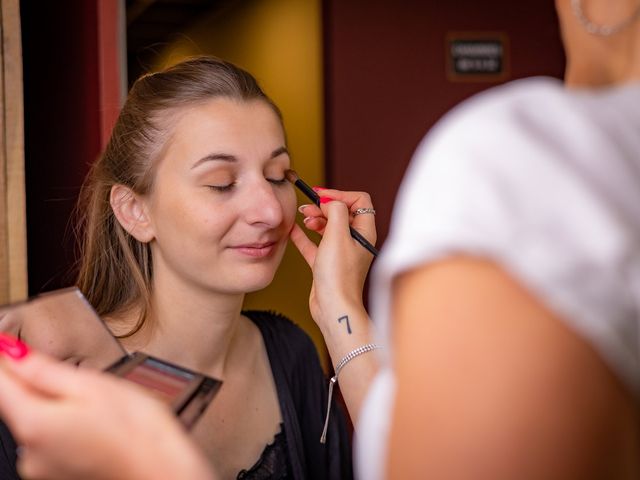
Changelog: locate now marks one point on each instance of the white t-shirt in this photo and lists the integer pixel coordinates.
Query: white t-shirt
(545, 182)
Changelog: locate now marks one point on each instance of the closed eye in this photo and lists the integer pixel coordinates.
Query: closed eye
(277, 181)
(226, 188)
(221, 188)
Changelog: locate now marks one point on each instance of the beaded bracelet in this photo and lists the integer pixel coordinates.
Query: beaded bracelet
(346, 359)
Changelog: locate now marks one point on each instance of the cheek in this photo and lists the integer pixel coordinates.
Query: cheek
(288, 202)
(188, 213)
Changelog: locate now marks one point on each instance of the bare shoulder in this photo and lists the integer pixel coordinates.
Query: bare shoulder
(494, 385)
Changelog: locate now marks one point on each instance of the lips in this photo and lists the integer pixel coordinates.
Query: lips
(256, 250)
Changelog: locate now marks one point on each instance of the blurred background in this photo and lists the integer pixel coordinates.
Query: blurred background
(359, 83)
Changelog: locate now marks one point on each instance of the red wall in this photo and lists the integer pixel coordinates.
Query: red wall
(386, 81)
(65, 111)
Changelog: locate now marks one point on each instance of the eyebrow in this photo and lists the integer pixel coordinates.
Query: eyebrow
(227, 157)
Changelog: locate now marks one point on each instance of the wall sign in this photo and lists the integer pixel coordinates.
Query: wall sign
(477, 57)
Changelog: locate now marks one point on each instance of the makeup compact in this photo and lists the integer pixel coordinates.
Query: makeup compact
(188, 393)
(64, 325)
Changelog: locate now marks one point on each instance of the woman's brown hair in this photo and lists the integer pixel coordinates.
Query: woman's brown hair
(115, 269)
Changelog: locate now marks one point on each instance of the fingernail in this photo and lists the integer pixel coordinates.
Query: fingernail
(326, 199)
(318, 188)
(302, 207)
(12, 347)
(306, 219)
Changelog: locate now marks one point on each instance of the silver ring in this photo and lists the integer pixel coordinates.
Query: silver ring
(362, 211)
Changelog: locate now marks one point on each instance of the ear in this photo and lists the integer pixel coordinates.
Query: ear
(131, 212)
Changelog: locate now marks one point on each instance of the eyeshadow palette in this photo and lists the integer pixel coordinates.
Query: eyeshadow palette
(188, 393)
(63, 324)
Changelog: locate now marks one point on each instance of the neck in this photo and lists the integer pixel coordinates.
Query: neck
(193, 328)
(622, 67)
(599, 61)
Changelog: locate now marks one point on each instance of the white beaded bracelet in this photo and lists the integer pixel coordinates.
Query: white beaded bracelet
(346, 359)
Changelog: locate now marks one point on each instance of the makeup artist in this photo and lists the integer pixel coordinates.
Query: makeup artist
(509, 286)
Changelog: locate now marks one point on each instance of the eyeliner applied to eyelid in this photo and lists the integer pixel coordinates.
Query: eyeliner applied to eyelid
(227, 157)
(228, 187)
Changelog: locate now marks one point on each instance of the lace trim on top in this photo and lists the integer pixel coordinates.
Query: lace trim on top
(273, 464)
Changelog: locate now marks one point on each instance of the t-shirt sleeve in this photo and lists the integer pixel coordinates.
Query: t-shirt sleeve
(498, 181)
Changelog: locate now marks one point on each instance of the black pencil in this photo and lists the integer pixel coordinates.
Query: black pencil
(293, 177)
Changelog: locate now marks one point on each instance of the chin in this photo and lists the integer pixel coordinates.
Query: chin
(258, 284)
(252, 280)
(244, 277)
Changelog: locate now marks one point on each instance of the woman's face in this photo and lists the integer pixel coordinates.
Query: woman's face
(220, 208)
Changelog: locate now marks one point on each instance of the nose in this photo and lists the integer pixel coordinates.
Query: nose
(263, 205)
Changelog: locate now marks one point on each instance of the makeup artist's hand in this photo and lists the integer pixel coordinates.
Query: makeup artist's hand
(78, 424)
(340, 266)
(339, 263)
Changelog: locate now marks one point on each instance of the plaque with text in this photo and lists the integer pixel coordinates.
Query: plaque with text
(477, 57)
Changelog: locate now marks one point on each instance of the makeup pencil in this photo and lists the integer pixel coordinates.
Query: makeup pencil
(293, 177)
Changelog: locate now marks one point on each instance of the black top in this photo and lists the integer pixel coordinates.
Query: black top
(273, 464)
(302, 394)
(7, 454)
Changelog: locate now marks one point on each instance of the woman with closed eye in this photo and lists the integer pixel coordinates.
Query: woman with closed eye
(187, 210)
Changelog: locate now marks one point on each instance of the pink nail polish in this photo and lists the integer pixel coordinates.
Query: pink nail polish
(12, 347)
(326, 199)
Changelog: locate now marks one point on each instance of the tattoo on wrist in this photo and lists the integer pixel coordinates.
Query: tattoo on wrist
(345, 318)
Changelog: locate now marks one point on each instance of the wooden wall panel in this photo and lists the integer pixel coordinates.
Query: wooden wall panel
(13, 256)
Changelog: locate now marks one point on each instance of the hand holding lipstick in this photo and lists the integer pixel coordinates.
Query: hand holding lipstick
(76, 424)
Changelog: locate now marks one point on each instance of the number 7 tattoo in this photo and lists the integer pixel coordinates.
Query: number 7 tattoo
(346, 318)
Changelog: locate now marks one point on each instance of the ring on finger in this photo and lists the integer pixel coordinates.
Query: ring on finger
(362, 211)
